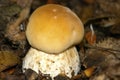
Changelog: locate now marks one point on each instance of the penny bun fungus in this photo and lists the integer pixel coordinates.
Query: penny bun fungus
(53, 31)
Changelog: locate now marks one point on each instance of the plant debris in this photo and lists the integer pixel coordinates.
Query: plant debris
(99, 51)
(8, 59)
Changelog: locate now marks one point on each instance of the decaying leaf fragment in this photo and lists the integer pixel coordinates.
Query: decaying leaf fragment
(105, 55)
(8, 59)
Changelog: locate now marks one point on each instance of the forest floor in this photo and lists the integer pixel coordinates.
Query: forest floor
(99, 51)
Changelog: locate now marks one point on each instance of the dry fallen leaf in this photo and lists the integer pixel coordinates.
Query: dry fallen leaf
(8, 59)
(91, 38)
(89, 71)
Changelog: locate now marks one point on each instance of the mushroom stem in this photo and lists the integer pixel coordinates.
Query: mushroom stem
(65, 63)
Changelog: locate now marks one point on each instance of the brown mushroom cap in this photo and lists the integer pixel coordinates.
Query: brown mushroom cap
(53, 28)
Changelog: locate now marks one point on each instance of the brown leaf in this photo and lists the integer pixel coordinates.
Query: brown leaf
(7, 60)
(91, 38)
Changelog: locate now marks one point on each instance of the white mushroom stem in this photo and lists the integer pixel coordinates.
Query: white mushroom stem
(66, 63)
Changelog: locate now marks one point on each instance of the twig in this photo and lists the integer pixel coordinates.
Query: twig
(101, 48)
(105, 49)
(13, 29)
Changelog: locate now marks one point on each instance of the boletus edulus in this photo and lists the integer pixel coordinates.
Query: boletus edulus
(53, 31)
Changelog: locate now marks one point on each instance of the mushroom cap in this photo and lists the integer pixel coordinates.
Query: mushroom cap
(66, 63)
(53, 28)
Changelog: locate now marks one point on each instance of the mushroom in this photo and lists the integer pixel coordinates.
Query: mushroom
(53, 31)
